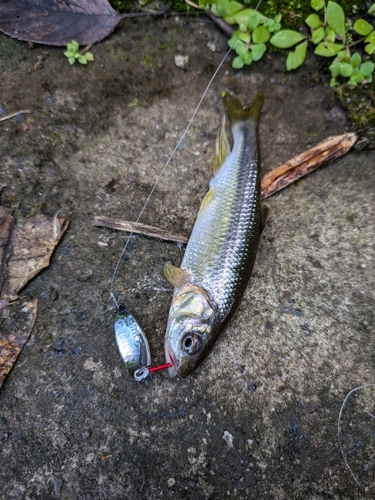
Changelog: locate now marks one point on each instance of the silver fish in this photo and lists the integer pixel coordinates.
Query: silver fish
(131, 341)
(222, 248)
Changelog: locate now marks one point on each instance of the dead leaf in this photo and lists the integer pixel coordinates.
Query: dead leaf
(6, 226)
(56, 22)
(11, 344)
(29, 251)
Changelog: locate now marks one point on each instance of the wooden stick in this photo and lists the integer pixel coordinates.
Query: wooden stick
(303, 164)
(136, 227)
(273, 181)
(14, 114)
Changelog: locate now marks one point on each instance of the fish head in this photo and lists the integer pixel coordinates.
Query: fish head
(190, 328)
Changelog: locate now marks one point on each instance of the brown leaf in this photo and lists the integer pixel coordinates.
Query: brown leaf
(31, 247)
(6, 226)
(56, 22)
(11, 344)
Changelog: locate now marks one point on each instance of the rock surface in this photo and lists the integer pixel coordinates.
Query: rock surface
(259, 418)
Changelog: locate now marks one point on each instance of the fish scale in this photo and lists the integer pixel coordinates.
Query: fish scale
(222, 238)
(222, 247)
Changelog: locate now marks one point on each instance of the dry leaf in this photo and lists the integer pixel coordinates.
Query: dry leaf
(31, 247)
(54, 22)
(11, 344)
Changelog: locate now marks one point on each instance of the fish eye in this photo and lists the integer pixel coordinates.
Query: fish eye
(192, 343)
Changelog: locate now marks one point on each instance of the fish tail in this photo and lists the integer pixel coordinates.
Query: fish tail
(237, 113)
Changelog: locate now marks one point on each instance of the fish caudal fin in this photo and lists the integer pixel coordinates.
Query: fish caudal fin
(237, 113)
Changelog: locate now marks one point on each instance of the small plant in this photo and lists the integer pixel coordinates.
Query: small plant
(73, 55)
(332, 34)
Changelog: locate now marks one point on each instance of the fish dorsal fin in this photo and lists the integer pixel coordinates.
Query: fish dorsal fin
(175, 275)
(222, 148)
(206, 200)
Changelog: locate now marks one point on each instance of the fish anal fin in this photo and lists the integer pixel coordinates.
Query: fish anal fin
(206, 200)
(175, 275)
(222, 148)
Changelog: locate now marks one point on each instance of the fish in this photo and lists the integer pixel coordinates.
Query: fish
(131, 341)
(222, 248)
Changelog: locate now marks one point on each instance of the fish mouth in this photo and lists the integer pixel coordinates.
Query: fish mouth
(172, 370)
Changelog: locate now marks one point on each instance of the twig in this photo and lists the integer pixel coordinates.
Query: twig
(14, 114)
(220, 23)
(303, 164)
(217, 20)
(85, 49)
(273, 181)
(136, 227)
(155, 13)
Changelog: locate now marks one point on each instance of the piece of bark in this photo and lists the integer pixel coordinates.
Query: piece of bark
(136, 227)
(31, 247)
(273, 181)
(303, 164)
(11, 344)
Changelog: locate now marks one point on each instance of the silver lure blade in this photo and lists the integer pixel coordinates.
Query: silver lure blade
(131, 341)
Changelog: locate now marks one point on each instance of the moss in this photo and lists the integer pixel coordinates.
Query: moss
(180, 6)
(359, 104)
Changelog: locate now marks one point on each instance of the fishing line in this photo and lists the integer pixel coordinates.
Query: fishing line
(339, 428)
(112, 296)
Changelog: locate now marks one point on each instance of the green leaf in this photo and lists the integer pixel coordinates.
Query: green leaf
(335, 68)
(367, 68)
(247, 58)
(371, 37)
(357, 76)
(285, 39)
(362, 27)
(67, 53)
(76, 55)
(240, 48)
(71, 60)
(355, 60)
(313, 21)
(343, 55)
(317, 35)
(333, 83)
(346, 70)
(89, 56)
(278, 18)
(372, 9)
(245, 15)
(370, 48)
(254, 21)
(237, 63)
(317, 4)
(327, 49)
(257, 51)
(226, 8)
(82, 60)
(336, 19)
(71, 47)
(330, 35)
(261, 35)
(295, 58)
(352, 83)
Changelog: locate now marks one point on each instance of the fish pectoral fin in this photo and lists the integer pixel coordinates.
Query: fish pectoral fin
(175, 275)
(206, 200)
(222, 148)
